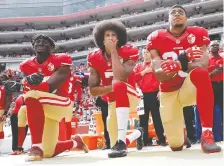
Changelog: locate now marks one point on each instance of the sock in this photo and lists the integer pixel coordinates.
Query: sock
(122, 122)
(205, 97)
(35, 117)
(122, 108)
(133, 136)
(68, 130)
(21, 136)
(63, 146)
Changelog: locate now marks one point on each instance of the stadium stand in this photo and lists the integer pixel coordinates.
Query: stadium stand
(72, 32)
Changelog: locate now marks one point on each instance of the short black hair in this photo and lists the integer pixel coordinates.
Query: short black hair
(43, 36)
(178, 6)
(114, 25)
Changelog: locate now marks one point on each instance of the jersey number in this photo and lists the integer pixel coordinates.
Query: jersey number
(70, 87)
(171, 55)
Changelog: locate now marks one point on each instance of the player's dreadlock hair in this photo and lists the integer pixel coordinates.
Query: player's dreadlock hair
(43, 36)
(114, 25)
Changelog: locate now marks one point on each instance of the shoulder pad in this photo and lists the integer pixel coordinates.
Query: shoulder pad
(128, 51)
(92, 56)
(25, 62)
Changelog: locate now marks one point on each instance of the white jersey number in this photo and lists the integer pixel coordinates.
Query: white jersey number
(170, 55)
(70, 88)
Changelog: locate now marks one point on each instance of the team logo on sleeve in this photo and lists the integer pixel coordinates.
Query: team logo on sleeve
(50, 67)
(191, 38)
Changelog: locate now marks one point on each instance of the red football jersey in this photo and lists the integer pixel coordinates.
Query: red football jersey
(2, 97)
(53, 62)
(76, 81)
(103, 66)
(169, 47)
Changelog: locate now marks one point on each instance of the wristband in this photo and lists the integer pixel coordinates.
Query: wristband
(182, 58)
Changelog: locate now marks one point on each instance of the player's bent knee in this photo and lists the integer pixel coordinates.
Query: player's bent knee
(175, 149)
(120, 87)
(199, 72)
(176, 144)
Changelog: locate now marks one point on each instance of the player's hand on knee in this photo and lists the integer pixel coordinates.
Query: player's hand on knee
(170, 66)
(193, 53)
(35, 79)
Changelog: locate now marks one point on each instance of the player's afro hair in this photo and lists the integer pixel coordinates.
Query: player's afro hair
(43, 36)
(114, 25)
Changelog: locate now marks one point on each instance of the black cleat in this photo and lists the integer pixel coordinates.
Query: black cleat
(139, 141)
(118, 150)
(163, 143)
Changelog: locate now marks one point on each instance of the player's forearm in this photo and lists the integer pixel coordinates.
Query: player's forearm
(215, 73)
(161, 77)
(118, 69)
(158, 72)
(101, 90)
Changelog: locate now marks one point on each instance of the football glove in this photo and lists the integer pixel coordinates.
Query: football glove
(11, 86)
(170, 66)
(35, 79)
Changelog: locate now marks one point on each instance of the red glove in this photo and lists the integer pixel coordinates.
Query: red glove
(219, 63)
(193, 53)
(170, 66)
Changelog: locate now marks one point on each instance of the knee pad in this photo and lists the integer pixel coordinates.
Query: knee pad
(176, 144)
